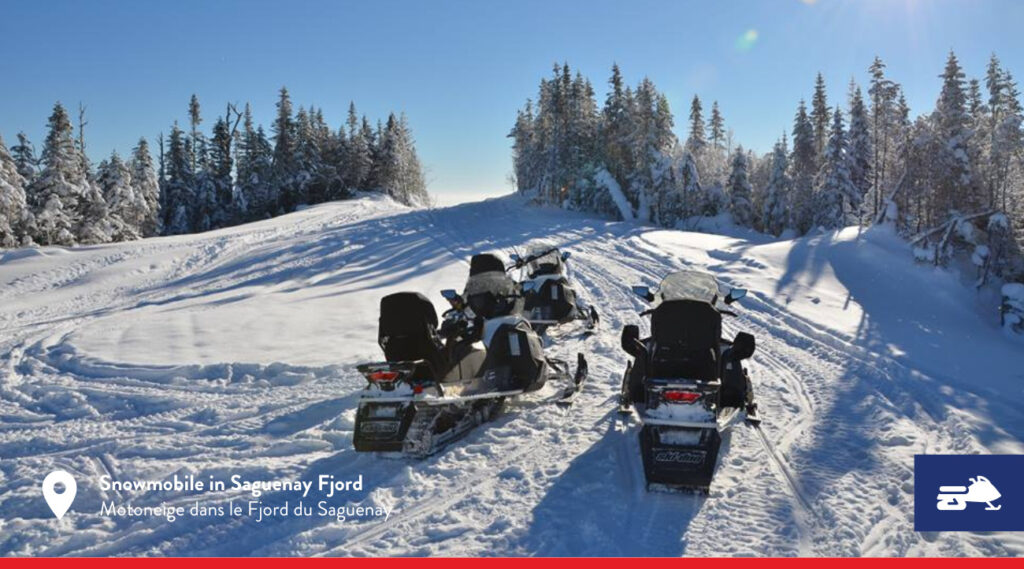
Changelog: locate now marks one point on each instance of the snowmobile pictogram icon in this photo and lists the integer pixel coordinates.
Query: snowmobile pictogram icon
(956, 497)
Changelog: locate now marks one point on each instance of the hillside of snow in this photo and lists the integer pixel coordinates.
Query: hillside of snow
(233, 352)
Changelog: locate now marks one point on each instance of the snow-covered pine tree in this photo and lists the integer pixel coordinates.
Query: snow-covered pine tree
(740, 191)
(954, 191)
(616, 128)
(775, 211)
(696, 141)
(802, 164)
(146, 185)
(197, 142)
(95, 224)
(57, 191)
(585, 125)
(690, 187)
(759, 170)
(14, 218)
(883, 94)
(284, 153)
(256, 196)
(837, 199)
(372, 139)
(358, 157)
(413, 180)
(1005, 138)
(178, 190)
(264, 195)
(713, 164)
(524, 152)
(400, 174)
(975, 104)
(25, 159)
(716, 127)
(326, 182)
(128, 210)
(652, 144)
(820, 117)
(860, 152)
(340, 160)
(306, 157)
(221, 164)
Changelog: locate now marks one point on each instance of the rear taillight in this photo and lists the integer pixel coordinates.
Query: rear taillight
(677, 396)
(382, 376)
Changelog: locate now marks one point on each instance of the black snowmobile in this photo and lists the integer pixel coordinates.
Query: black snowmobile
(685, 381)
(550, 297)
(440, 382)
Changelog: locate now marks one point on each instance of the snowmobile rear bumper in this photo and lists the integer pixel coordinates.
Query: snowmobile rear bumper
(382, 427)
(679, 466)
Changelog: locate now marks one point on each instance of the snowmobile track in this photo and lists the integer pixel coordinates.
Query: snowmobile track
(436, 502)
(783, 470)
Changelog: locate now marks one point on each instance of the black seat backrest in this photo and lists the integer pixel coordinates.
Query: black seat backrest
(485, 262)
(408, 330)
(686, 336)
(491, 294)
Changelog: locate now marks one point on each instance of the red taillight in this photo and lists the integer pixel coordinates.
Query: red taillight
(681, 396)
(417, 389)
(383, 376)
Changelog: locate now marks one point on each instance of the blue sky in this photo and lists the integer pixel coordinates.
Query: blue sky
(460, 69)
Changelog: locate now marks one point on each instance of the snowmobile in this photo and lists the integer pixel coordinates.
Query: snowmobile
(437, 383)
(550, 297)
(686, 382)
(956, 497)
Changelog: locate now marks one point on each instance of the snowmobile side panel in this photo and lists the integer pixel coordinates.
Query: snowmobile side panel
(467, 366)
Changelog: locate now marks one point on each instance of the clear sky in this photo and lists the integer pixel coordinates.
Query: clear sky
(460, 69)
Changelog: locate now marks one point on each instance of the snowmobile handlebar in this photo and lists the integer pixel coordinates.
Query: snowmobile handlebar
(520, 263)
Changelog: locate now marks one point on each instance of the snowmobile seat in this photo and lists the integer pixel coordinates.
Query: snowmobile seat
(408, 331)
(485, 262)
(685, 336)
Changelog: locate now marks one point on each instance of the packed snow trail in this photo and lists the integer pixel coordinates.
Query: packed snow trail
(233, 352)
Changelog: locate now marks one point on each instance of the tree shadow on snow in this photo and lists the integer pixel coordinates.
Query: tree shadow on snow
(370, 254)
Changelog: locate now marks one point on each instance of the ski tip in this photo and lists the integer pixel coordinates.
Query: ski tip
(751, 416)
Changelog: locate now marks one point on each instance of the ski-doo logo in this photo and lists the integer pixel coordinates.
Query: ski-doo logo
(968, 492)
(381, 427)
(680, 456)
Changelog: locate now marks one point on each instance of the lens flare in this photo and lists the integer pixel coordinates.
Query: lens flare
(746, 41)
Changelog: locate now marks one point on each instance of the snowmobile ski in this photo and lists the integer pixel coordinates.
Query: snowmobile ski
(571, 391)
(751, 415)
(625, 404)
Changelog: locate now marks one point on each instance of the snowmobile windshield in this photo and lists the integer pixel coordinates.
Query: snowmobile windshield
(491, 294)
(689, 285)
(545, 262)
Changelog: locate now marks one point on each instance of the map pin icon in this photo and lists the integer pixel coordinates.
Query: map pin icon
(59, 502)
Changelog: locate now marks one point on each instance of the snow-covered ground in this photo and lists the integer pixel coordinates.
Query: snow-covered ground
(232, 352)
